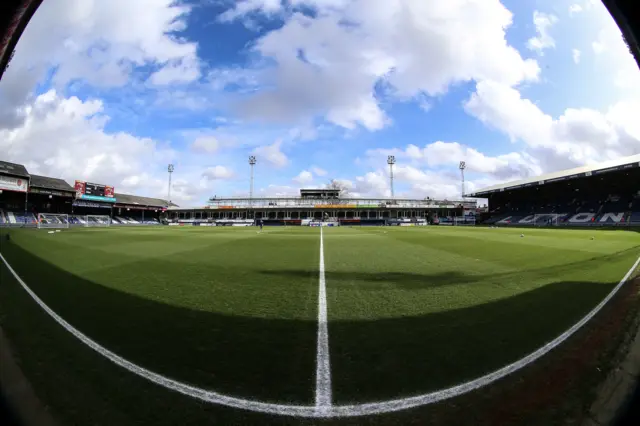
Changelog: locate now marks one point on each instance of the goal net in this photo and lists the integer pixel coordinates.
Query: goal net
(464, 221)
(97, 221)
(50, 220)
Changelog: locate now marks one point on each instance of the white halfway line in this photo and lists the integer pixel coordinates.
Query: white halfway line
(323, 365)
(330, 410)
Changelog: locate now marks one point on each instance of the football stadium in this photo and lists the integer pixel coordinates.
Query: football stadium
(509, 304)
(318, 306)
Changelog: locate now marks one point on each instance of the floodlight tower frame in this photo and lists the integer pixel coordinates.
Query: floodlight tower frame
(170, 169)
(462, 166)
(391, 160)
(252, 163)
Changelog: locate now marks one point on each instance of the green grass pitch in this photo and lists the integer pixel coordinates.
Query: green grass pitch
(410, 310)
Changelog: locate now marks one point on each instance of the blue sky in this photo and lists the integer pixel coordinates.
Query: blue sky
(317, 90)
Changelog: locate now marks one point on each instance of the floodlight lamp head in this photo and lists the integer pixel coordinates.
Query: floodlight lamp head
(462, 165)
(170, 168)
(391, 159)
(252, 160)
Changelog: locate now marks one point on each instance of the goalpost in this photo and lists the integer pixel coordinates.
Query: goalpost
(464, 221)
(50, 220)
(97, 220)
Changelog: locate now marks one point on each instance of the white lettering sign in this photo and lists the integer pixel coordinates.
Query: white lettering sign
(505, 220)
(612, 217)
(527, 219)
(582, 218)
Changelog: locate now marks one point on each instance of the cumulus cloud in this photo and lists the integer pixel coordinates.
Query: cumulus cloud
(217, 173)
(374, 184)
(598, 47)
(66, 138)
(279, 191)
(304, 177)
(575, 8)
(244, 7)
(206, 144)
(611, 49)
(412, 182)
(576, 55)
(323, 66)
(579, 136)
(318, 171)
(543, 39)
(272, 154)
(439, 154)
(99, 43)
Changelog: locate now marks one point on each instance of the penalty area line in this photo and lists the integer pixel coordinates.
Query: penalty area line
(323, 365)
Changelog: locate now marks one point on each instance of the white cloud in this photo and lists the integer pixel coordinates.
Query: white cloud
(612, 51)
(579, 136)
(272, 154)
(304, 177)
(543, 40)
(66, 138)
(206, 144)
(412, 182)
(575, 8)
(318, 171)
(371, 184)
(509, 166)
(98, 42)
(598, 47)
(576, 55)
(182, 70)
(374, 184)
(279, 191)
(218, 173)
(244, 7)
(324, 67)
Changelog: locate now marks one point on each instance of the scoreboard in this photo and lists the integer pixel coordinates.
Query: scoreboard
(94, 192)
(98, 190)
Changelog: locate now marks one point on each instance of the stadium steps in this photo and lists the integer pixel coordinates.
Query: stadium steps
(12, 218)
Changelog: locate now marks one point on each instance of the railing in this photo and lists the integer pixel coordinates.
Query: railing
(225, 204)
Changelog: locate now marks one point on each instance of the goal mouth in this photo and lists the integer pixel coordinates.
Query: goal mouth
(53, 221)
(63, 221)
(97, 221)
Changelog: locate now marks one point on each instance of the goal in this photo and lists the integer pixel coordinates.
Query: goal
(464, 221)
(50, 220)
(97, 221)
